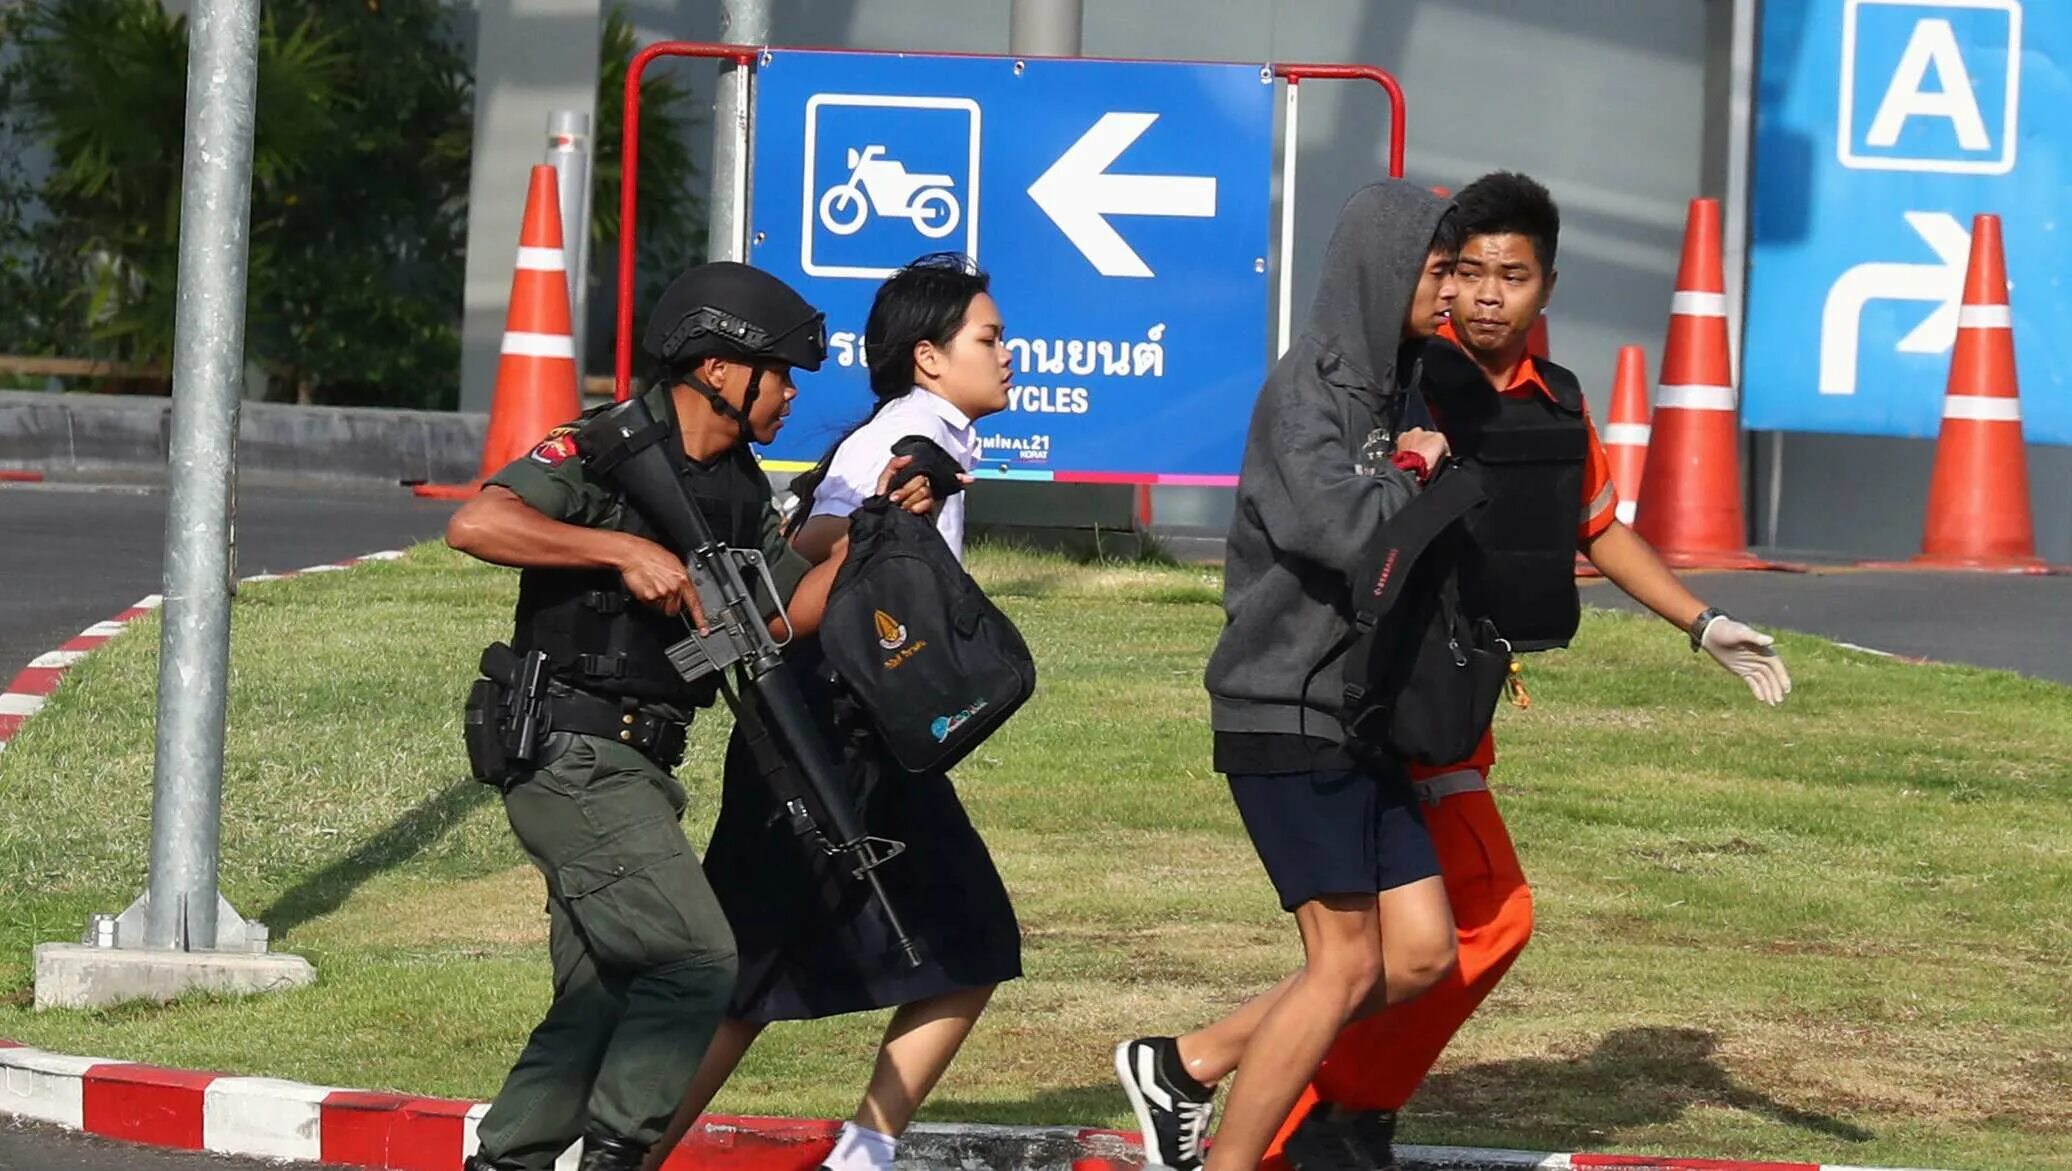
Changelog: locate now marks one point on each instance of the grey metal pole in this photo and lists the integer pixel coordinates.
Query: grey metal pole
(568, 152)
(1045, 28)
(208, 369)
(741, 22)
(1739, 146)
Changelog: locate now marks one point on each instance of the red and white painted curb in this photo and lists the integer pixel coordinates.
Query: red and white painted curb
(392, 1132)
(25, 696)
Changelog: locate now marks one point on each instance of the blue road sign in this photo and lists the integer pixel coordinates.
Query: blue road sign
(1122, 209)
(1882, 128)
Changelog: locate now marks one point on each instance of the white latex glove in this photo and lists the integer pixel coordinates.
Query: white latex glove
(1745, 651)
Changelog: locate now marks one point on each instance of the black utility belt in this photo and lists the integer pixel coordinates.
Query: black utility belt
(653, 734)
(517, 704)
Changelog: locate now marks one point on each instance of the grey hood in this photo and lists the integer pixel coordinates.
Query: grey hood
(1306, 511)
(1371, 269)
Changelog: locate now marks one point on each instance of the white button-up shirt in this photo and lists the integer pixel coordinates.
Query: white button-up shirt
(860, 460)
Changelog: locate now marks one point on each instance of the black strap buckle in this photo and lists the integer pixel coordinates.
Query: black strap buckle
(606, 601)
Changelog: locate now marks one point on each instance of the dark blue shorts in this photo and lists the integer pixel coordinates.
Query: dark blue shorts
(1334, 832)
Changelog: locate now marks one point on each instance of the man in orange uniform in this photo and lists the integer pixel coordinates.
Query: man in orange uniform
(1549, 450)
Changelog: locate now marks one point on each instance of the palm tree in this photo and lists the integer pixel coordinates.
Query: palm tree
(102, 84)
(358, 180)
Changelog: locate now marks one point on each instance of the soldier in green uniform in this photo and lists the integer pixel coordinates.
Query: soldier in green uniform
(643, 958)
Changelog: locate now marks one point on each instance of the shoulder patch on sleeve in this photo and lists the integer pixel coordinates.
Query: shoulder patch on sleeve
(557, 447)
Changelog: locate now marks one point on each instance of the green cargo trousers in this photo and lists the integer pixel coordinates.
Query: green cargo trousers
(643, 957)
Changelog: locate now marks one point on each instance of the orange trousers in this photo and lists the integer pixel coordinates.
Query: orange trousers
(1378, 1062)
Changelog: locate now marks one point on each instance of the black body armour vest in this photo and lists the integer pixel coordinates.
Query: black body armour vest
(1528, 452)
(596, 636)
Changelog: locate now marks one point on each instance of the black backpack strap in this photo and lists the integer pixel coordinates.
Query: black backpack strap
(943, 473)
(870, 526)
(1404, 537)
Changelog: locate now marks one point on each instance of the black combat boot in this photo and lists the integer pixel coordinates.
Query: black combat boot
(1333, 1138)
(604, 1153)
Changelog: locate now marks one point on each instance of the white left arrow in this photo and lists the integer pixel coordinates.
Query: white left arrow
(1078, 194)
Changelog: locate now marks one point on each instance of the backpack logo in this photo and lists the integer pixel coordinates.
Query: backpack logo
(891, 635)
(1388, 570)
(944, 725)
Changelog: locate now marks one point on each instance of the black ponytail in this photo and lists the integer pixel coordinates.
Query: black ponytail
(924, 302)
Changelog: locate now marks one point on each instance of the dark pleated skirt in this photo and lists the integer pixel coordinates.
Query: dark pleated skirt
(812, 940)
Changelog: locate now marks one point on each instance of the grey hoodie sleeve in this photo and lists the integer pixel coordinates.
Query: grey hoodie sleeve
(1301, 483)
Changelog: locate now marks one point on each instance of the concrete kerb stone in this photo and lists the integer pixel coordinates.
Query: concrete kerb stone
(71, 975)
(86, 433)
(390, 1132)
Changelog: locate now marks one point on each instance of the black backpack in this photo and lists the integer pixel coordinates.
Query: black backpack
(932, 663)
(1422, 676)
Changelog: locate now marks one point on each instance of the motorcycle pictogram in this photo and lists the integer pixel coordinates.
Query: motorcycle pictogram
(883, 185)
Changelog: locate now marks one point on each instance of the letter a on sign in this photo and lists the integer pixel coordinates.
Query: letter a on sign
(1934, 46)
(1930, 85)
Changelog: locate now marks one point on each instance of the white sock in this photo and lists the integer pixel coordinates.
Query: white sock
(860, 1148)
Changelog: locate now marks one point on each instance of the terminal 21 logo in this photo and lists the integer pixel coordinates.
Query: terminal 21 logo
(1930, 85)
(887, 178)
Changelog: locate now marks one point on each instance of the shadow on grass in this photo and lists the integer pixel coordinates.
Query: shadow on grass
(409, 835)
(1634, 1078)
(1059, 1106)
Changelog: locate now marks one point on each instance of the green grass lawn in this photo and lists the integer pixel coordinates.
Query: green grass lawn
(1833, 932)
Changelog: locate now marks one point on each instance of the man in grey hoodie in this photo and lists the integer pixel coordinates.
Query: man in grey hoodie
(1326, 464)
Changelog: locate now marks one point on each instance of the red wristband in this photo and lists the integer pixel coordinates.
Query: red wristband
(1414, 463)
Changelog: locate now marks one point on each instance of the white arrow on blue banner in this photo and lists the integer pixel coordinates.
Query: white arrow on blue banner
(1079, 194)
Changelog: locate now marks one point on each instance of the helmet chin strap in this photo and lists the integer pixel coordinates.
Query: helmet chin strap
(725, 409)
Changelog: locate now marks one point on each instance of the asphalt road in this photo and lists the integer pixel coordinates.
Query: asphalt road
(35, 1147)
(1989, 620)
(74, 554)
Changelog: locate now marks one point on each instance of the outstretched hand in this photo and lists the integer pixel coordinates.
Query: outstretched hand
(1747, 652)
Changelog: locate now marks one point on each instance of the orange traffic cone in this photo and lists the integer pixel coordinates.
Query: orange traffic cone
(536, 377)
(1690, 490)
(1978, 500)
(1626, 438)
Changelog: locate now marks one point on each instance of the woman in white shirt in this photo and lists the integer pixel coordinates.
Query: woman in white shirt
(810, 943)
(940, 391)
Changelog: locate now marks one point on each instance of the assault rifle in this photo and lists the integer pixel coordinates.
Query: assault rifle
(624, 446)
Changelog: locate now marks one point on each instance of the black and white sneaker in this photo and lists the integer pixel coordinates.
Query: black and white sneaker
(1333, 1138)
(1172, 1108)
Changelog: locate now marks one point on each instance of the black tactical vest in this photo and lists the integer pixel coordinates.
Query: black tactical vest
(1528, 452)
(596, 636)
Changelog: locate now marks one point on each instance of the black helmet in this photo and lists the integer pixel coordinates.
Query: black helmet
(734, 310)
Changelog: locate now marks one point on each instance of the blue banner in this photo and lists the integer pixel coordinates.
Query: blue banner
(1882, 128)
(1122, 209)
